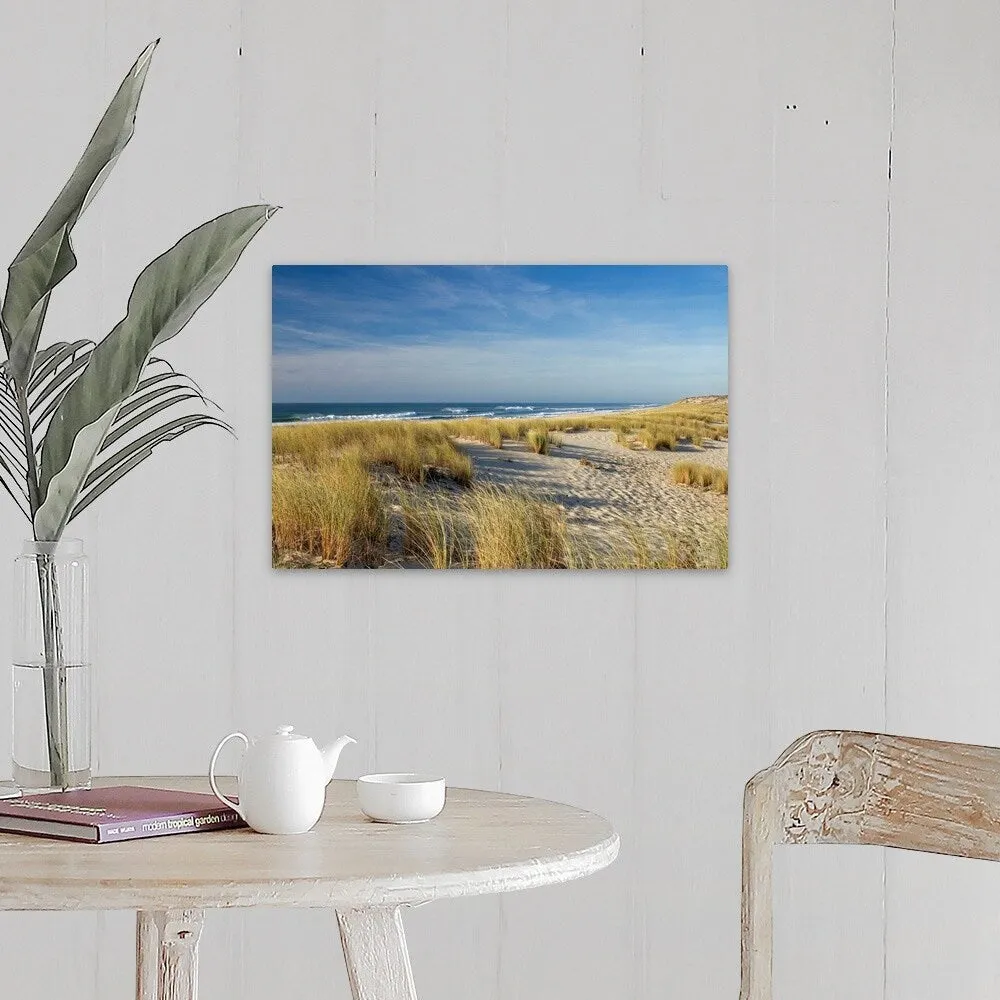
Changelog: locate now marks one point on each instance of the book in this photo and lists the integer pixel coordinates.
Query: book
(119, 812)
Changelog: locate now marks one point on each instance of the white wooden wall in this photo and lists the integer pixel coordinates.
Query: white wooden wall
(865, 479)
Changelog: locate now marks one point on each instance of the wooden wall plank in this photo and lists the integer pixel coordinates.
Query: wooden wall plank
(393, 106)
(556, 131)
(570, 172)
(162, 539)
(944, 355)
(796, 207)
(52, 129)
(53, 951)
(566, 731)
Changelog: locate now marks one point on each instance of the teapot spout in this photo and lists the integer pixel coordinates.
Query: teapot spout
(331, 754)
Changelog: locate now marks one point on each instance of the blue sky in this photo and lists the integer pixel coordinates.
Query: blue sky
(503, 333)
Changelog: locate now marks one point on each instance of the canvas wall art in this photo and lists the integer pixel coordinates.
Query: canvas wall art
(500, 417)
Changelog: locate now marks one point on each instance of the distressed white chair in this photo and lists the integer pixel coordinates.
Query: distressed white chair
(836, 787)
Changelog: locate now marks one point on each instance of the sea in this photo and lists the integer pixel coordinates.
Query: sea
(283, 413)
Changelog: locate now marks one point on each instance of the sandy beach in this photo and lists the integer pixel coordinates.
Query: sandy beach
(604, 488)
(589, 490)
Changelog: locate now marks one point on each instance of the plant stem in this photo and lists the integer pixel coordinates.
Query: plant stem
(54, 671)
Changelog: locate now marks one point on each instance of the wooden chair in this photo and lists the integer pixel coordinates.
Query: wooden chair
(861, 788)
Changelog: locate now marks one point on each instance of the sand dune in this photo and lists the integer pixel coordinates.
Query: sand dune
(603, 487)
(477, 493)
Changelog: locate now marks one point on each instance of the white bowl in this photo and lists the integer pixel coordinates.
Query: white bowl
(401, 798)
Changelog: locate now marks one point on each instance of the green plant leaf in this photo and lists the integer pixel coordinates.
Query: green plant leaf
(14, 461)
(165, 296)
(120, 428)
(8, 482)
(136, 452)
(177, 377)
(12, 430)
(10, 418)
(57, 387)
(48, 255)
(43, 356)
(47, 361)
(53, 391)
(143, 395)
(51, 379)
(14, 477)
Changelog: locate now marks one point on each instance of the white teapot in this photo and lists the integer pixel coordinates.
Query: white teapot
(282, 781)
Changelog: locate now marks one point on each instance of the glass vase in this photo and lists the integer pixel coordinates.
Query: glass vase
(51, 712)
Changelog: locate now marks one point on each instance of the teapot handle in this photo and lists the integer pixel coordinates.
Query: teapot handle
(230, 803)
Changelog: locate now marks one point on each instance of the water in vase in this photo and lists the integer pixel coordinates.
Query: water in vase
(30, 746)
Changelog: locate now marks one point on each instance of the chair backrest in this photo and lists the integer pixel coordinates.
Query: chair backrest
(836, 787)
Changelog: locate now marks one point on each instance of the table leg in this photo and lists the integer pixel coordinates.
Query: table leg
(167, 954)
(378, 965)
(147, 953)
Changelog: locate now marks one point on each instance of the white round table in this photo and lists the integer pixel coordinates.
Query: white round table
(483, 842)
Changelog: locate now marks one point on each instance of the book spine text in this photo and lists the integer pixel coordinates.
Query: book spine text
(159, 826)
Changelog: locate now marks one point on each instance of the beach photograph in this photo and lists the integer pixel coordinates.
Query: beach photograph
(500, 417)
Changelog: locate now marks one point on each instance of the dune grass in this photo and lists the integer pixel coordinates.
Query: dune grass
(511, 529)
(658, 437)
(486, 431)
(661, 428)
(434, 534)
(512, 430)
(412, 449)
(656, 428)
(487, 528)
(656, 549)
(337, 516)
(332, 512)
(332, 491)
(538, 440)
(501, 528)
(707, 477)
(326, 503)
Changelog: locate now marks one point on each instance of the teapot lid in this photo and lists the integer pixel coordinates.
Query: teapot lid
(288, 733)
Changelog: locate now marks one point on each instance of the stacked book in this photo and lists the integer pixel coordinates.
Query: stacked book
(120, 812)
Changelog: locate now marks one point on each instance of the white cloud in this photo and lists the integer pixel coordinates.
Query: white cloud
(530, 368)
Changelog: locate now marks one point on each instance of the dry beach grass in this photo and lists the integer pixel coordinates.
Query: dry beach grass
(603, 491)
(698, 474)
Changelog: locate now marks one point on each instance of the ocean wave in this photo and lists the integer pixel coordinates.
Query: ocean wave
(523, 411)
(402, 415)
